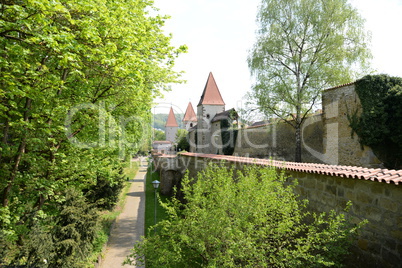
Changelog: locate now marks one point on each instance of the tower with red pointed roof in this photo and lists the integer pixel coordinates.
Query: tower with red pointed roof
(210, 104)
(171, 127)
(190, 118)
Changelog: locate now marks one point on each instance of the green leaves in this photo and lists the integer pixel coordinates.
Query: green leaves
(77, 83)
(303, 47)
(381, 99)
(244, 218)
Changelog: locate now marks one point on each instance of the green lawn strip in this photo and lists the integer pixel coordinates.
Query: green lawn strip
(108, 217)
(150, 203)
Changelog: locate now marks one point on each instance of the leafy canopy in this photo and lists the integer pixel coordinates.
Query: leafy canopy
(302, 47)
(77, 81)
(243, 219)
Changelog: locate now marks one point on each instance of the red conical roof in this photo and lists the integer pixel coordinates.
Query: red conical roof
(211, 94)
(190, 115)
(171, 121)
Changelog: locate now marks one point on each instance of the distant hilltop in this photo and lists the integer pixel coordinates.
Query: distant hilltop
(160, 120)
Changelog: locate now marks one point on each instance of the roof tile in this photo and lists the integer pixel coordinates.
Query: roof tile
(380, 175)
(171, 121)
(190, 115)
(211, 94)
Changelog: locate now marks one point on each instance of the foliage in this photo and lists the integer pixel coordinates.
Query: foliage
(302, 47)
(183, 144)
(253, 220)
(181, 133)
(150, 202)
(63, 240)
(182, 140)
(159, 135)
(105, 193)
(77, 82)
(228, 136)
(377, 125)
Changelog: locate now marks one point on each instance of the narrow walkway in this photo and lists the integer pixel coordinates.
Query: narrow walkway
(129, 226)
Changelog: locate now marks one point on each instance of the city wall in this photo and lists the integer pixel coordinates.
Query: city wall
(327, 187)
(277, 141)
(326, 138)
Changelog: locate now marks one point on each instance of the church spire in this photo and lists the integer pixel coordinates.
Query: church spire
(171, 121)
(190, 115)
(211, 94)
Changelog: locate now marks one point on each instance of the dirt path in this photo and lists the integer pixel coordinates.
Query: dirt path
(129, 226)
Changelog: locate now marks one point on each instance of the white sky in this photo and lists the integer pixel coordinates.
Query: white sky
(219, 34)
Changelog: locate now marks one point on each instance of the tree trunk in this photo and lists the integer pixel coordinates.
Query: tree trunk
(18, 157)
(7, 190)
(298, 143)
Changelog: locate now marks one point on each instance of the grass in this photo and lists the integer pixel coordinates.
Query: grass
(131, 170)
(108, 217)
(150, 203)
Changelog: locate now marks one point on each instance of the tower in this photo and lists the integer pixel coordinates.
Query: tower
(171, 127)
(211, 103)
(190, 118)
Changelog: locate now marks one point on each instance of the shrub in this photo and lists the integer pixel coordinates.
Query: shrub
(105, 193)
(244, 219)
(63, 240)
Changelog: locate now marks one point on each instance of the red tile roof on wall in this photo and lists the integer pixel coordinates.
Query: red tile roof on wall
(211, 94)
(171, 121)
(190, 115)
(339, 86)
(380, 175)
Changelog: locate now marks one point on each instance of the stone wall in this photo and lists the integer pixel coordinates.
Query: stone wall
(380, 241)
(326, 138)
(277, 140)
(337, 104)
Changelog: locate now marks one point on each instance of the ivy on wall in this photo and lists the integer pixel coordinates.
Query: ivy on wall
(379, 126)
(229, 137)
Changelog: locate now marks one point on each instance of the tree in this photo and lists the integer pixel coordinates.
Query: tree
(159, 135)
(302, 47)
(77, 81)
(182, 140)
(253, 220)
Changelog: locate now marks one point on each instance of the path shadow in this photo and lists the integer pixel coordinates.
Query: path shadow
(136, 194)
(137, 180)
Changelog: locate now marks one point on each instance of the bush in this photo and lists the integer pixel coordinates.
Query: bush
(64, 240)
(253, 220)
(183, 144)
(105, 193)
